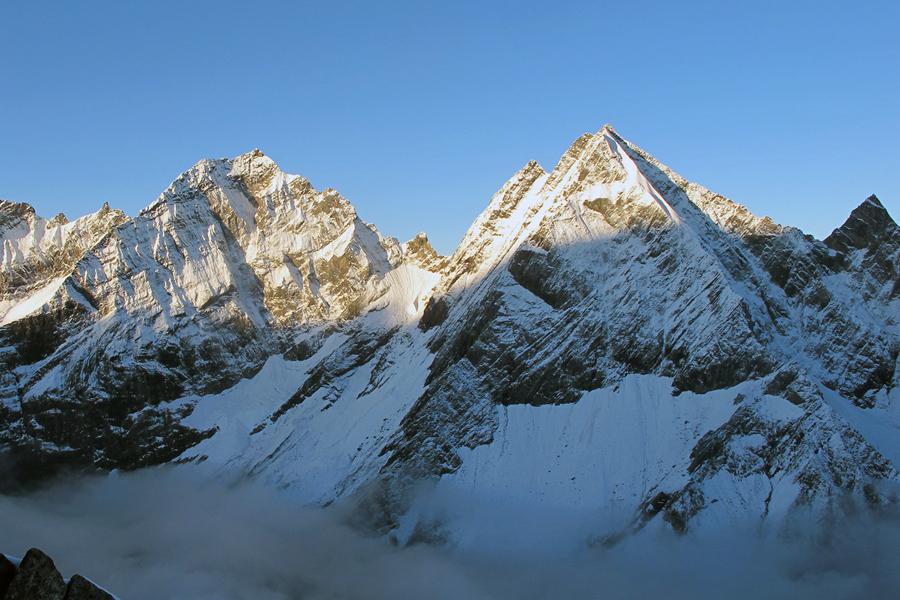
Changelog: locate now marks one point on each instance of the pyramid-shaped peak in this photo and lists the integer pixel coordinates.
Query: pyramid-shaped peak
(872, 212)
(873, 200)
(867, 224)
(587, 141)
(608, 129)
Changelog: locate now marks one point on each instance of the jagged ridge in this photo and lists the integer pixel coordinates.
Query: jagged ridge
(608, 286)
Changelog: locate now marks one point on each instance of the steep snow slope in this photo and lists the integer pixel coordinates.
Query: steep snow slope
(608, 338)
(628, 269)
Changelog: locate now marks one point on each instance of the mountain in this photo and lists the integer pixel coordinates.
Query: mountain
(608, 337)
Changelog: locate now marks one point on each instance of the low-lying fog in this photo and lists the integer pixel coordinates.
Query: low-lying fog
(160, 534)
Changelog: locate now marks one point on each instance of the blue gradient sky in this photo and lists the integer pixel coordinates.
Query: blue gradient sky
(418, 112)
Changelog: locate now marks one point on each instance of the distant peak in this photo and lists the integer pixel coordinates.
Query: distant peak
(418, 242)
(608, 129)
(532, 167)
(421, 254)
(873, 199)
(59, 219)
(19, 209)
(867, 224)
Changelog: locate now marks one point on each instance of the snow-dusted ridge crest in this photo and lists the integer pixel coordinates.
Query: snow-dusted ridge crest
(608, 338)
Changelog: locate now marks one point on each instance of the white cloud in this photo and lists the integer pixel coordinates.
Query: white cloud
(160, 534)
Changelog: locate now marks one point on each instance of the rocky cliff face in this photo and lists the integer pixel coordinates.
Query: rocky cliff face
(607, 335)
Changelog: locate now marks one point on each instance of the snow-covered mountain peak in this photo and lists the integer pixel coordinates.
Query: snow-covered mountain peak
(589, 160)
(607, 334)
(680, 196)
(608, 129)
(259, 172)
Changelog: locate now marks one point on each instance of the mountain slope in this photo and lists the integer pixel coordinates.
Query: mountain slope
(628, 270)
(192, 295)
(607, 336)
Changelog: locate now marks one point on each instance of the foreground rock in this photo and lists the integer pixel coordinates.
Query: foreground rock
(7, 572)
(82, 589)
(37, 578)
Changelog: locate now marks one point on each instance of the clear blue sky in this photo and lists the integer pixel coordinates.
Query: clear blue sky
(418, 112)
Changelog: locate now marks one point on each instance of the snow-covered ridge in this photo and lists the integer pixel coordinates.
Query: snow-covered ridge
(607, 336)
(34, 250)
(192, 295)
(315, 259)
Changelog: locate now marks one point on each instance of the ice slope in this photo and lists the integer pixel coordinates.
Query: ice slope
(335, 434)
(618, 441)
(602, 455)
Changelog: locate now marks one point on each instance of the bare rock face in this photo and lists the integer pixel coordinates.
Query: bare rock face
(83, 589)
(421, 254)
(7, 573)
(36, 579)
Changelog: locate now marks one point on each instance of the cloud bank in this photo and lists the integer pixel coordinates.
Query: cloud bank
(162, 533)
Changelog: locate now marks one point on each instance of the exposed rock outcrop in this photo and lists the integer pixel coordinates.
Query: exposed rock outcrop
(37, 578)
